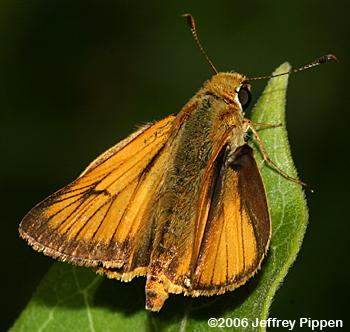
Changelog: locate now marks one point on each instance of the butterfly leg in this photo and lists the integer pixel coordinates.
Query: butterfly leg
(266, 157)
(266, 125)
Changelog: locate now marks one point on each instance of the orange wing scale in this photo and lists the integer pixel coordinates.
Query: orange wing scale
(97, 217)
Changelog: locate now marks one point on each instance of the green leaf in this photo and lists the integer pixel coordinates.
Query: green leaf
(286, 199)
(72, 298)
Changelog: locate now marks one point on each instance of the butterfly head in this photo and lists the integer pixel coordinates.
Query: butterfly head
(231, 87)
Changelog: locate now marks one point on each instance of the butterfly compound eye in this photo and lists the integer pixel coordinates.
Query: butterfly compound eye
(244, 96)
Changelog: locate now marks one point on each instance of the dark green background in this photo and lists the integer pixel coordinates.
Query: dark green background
(77, 76)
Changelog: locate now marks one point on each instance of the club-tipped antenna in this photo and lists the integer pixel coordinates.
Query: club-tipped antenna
(192, 24)
(317, 62)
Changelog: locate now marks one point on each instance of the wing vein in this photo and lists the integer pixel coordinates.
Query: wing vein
(217, 252)
(242, 236)
(88, 219)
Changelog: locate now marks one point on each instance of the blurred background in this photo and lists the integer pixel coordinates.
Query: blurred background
(78, 76)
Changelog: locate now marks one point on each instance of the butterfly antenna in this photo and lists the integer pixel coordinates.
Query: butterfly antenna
(192, 24)
(317, 62)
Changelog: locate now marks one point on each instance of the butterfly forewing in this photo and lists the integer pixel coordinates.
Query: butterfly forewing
(237, 227)
(95, 219)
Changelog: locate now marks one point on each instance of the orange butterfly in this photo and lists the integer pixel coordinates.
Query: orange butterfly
(180, 201)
